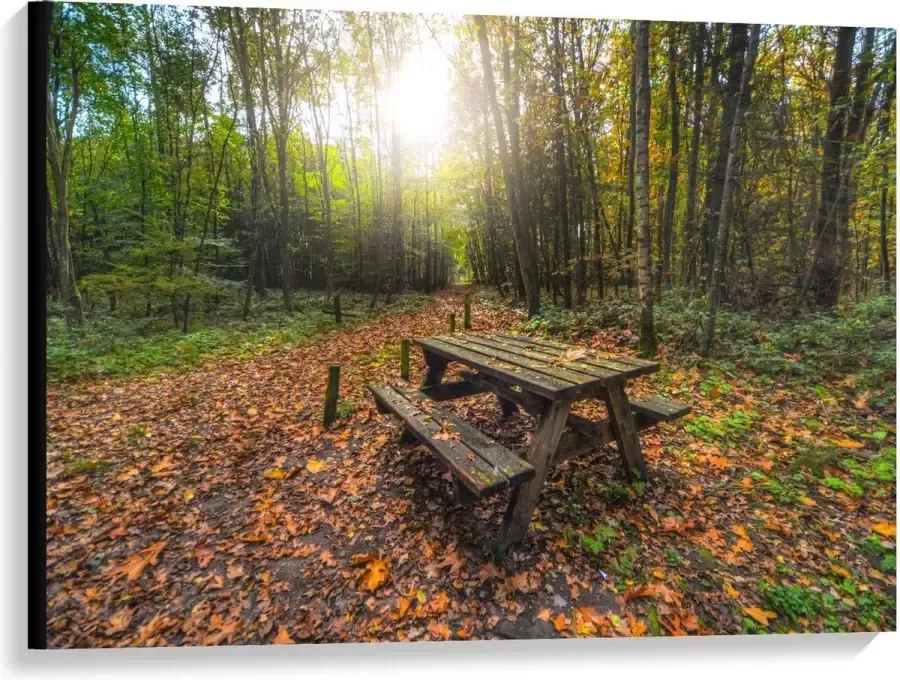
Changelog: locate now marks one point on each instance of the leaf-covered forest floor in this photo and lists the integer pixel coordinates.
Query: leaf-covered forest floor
(209, 506)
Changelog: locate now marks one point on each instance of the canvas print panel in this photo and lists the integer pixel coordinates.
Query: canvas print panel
(407, 327)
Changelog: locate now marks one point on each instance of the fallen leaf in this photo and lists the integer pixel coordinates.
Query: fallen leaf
(544, 615)
(403, 606)
(730, 591)
(840, 571)
(314, 465)
(135, 565)
(847, 444)
(886, 529)
(283, 637)
(275, 474)
(375, 574)
(759, 615)
(119, 621)
(560, 622)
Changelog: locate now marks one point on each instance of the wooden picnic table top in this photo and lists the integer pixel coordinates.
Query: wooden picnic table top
(551, 369)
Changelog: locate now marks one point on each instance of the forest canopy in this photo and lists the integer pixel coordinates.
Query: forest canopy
(198, 154)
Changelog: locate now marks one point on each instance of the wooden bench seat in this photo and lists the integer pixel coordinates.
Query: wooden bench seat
(659, 410)
(585, 436)
(480, 466)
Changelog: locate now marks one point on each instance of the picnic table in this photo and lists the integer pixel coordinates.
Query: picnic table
(545, 379)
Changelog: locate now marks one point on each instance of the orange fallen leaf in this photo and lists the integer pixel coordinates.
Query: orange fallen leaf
(847, 443)
(658, 574)
(544, 615)
(759, 615)
(283, 637)
(592, 615)
(314, 465)
(375, 575)
(638, 628)
(119, 621)
(730, 591)
(403, 606)
(840, 571)
(560, 622)
(808, 502)
(886, 529)
(440, 629)
(274, 473)
(134, 565)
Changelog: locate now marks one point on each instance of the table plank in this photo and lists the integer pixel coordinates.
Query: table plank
(538, 366)
(544, 385)
(525, 350)
(629, 367)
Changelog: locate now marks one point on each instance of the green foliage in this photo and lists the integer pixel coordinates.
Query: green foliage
(600, 540)
(346, 408)
(130, 344)
(551, 321)
(85, 466)
(793, 601)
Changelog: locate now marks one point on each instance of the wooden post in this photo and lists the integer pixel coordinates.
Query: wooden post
(467, 318)
(452, 322)
(331, 393)
(404, 359)
(337, 309)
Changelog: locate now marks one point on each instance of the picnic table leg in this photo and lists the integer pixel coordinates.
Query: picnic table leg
(436, 367)
(551, 422)
(622, 420)
(507, 407)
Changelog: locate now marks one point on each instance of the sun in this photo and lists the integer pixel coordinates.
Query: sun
(418, 98)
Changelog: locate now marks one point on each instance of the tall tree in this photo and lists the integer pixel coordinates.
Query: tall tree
(731, 183)
(675, 151)
(689, 262)
(825, 273)
(68, 58)
(648, 343)
(523, 241)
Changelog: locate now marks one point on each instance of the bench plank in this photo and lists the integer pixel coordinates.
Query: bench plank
(660, 409)
(481, 464)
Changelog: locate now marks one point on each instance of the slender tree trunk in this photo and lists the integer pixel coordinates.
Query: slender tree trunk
(689, 262)
(734, 150)
(669, 215)
(524, 245)
(562, 211)
(642, 186)
(737, 44)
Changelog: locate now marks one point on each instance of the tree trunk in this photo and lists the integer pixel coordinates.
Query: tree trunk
(826, 261)
(669, 215)
(524, 244)
(689, 261)
(734, 150)
(642, 186)
(737, 44)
